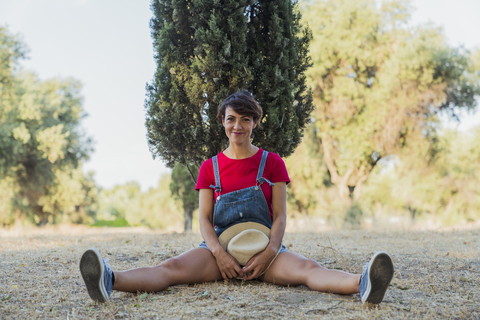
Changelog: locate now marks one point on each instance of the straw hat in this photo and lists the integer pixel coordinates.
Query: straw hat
(244, 240)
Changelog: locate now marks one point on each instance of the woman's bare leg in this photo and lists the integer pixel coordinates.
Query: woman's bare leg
(293, 269)
(194, 266)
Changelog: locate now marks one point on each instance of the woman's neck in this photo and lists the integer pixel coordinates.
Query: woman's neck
(240, 152)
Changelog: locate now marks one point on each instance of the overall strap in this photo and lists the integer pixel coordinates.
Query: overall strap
(261, 179)
(217, 186)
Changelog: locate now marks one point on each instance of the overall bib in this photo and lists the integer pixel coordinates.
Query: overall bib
(244, 205)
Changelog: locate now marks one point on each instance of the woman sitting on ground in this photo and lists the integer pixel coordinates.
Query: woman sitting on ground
(242, 221)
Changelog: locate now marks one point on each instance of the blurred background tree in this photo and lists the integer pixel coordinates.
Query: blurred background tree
(120, 206)
(183, 190)
(445, 186)
(379, 86)
(126, 205)
(41, 144)
(377, 150)
(309, 177)
(206, 50)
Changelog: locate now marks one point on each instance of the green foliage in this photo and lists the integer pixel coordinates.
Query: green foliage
(445, 187)
(41, 145)
(159, 210)
(308, 180)
(126, 205)
(119, 222)
(353, 217)
(379, 85)
(440, 185)
(120, 202)
(183, 190)
(11, 51)
(7, 192)
(182, 186)
(206, 50)
(311, 191)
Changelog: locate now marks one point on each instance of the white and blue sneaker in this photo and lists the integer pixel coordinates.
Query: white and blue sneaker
(97, 274)
(376, 278)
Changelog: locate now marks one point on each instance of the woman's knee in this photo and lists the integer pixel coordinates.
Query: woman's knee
(171, 264)
(170, 271)
(308, 264)
(192, 267)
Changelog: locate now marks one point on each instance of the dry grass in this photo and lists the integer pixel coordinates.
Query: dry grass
(436, 276)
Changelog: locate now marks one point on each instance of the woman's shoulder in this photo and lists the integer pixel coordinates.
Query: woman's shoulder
(276, 168)
(206, 164)
(273, 157)
(206, 169)
(205, 175)
(275, 165)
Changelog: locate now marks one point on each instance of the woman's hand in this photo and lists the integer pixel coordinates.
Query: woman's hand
(258, 263)
(228, 266)
(261, 261)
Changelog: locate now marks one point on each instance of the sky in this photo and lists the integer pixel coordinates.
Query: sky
(106, 44)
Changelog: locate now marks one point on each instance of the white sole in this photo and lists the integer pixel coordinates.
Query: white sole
(380, 273)
(91, 268)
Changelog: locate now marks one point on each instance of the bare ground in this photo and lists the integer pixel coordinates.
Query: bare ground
(436, 277)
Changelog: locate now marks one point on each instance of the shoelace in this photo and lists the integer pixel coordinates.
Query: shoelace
(362, 278)
(365, 267)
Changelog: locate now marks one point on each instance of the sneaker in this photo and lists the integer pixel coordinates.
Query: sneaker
(97, 274)
(376, 277)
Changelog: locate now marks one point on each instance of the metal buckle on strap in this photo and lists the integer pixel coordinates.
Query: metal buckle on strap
(217, 189)
(262, 180)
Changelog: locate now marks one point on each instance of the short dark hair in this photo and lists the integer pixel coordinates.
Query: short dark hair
(243, 103)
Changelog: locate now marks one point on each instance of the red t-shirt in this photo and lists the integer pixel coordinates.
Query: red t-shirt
(240, 174)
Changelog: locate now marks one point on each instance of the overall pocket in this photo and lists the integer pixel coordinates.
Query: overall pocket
(227, 213)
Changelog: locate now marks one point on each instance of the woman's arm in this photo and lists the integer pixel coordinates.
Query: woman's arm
(279, 208)
(206, 220)
(261, 261)
(228, 266)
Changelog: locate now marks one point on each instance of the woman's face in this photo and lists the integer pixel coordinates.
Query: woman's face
(238, 128)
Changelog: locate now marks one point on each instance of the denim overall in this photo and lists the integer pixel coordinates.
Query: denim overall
(244, 205)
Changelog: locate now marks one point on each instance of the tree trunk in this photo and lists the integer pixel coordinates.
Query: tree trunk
(42, 215)
(300, 207)
(449, 205)
(18, 219)
(344, 191)
(340, 181)
(379, 209)
(413, 212)
(357, 193)
(187, 218)
(356, 176)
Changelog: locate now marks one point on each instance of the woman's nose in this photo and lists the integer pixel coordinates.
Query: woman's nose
(237, 125)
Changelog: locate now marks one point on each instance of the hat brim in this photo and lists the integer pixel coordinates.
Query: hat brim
(231, 232)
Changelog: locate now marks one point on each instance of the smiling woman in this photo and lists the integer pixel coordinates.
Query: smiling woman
(240, 115)
(238, 128)
(243, 193)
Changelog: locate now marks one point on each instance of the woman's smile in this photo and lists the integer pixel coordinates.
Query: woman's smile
(238, 127)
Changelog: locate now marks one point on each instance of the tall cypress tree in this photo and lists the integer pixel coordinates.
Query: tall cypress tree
(206, 50)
